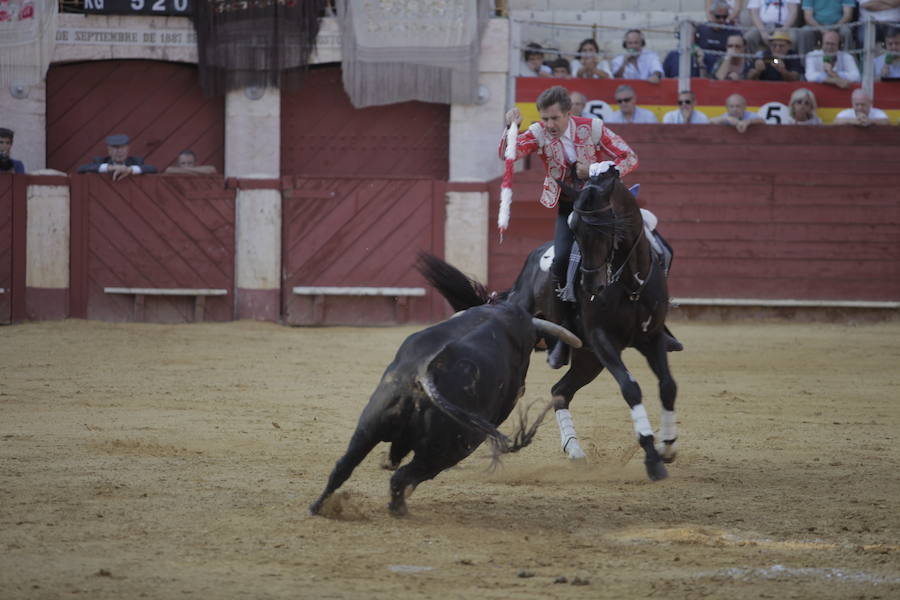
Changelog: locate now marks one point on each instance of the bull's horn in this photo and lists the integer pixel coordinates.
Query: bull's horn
(556, 331)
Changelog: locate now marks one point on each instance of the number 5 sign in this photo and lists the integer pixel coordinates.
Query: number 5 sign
(775, 113)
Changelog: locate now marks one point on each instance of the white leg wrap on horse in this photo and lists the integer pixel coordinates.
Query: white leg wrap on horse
(567, 436)
(640, 420)
(668, 427)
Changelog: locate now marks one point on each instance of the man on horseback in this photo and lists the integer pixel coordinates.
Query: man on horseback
(568, 145)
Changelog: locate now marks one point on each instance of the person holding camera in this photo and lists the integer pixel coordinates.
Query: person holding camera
(776, 64)
(887, 65)
(637, 62)
(7, 163)
(831, 65)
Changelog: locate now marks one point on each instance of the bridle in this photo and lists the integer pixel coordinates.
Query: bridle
(611, 277)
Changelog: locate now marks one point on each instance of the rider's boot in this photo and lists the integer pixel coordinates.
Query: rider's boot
(672, 343)
(558, 356)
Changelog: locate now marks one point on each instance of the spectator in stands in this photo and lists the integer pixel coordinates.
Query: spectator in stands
(831, 65)
(7, 163)
(579, 101)
(117, 161)
(637, 62)
(883, 12)
(775, 64)
(588, 64)
(734, 65)
(629, 111)
(560, 68)
(186, 164)
(825, 14)
(533, 65)
(767, 16)
(714, 34)
(686, 113)
(733, 11)
(887, 66)
(737, 114)
(803, 107)
(862, 114)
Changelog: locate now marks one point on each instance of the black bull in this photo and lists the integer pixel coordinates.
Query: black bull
(448, 387)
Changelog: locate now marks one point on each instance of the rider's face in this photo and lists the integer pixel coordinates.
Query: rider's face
(555, 120)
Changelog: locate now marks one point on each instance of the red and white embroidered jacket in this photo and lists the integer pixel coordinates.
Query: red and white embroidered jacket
(593, 143)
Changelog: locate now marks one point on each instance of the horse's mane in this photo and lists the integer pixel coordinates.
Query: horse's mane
(603, 219)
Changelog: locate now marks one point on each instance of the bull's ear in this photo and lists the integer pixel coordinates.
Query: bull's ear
(567, 190)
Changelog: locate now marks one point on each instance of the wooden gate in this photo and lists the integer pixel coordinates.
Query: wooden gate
(160, 233)
(6, 246)
(158, 104)
(359, 232)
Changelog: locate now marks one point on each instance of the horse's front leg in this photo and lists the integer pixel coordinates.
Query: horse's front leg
(657, 357)
(584, 369)
(631, 391)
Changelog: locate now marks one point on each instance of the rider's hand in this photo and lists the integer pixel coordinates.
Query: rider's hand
(513, 115)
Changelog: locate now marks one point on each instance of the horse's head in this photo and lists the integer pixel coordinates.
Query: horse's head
(598, 229)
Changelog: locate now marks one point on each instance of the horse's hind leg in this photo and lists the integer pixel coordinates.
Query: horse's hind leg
(658, 359)
(585, 368)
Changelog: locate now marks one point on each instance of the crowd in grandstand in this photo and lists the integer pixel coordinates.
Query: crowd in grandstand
(818, 41)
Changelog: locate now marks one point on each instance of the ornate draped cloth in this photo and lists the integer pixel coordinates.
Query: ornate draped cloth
(399, 50)
(27, 37)
(265, 43)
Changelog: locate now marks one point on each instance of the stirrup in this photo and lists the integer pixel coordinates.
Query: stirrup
(558, 356)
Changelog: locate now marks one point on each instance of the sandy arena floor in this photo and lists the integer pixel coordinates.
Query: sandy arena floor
(152, 461)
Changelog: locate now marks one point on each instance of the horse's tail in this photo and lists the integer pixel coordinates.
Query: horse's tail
(460, 291)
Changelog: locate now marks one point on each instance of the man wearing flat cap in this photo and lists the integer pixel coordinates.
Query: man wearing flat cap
(117, 162)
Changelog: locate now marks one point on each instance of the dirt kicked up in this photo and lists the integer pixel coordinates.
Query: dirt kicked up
(152, 461)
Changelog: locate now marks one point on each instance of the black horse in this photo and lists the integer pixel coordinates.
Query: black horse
(621, 301)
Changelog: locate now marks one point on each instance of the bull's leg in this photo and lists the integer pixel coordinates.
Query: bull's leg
(360, 445)
(631, 391)
(399, 449)
(421, 468)
(658, 359)
(585, 368)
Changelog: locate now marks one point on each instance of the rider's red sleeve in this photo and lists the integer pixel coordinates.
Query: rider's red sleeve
(526, 144)
(622, 154)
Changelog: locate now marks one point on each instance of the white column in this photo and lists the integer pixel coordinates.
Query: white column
(47, 252)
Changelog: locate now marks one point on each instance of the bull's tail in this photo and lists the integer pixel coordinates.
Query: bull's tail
(459, 290)
(500, 444)
(524, 433)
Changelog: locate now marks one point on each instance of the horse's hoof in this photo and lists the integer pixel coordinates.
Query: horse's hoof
(656, 471)
(315, 508)
(399, 510)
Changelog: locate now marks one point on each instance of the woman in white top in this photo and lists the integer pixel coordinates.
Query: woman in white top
(803, 107)
(587, 63)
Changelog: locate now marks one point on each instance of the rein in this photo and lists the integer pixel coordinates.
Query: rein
(611, 277)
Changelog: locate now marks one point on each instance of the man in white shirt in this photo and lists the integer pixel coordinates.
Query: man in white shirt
(767, 16)
(887, 66)
(629, 111)
(737, 115)
(830, 65)
(685, 112)
(637, 63)
(863, 113)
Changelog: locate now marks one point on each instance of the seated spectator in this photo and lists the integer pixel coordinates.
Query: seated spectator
(579, 101)
(737, 114)
(825, 14)
(887, 66)
(732, 14)
(637, 63)
(629, 111)
(117, 161)
(686, 113)
(883, 12)
(863, 114)
(830, 65)
(186, 164)
(588, 64)
(699, 68)
(533, 65)
(560, 68)
(734, 65)
(767, 16)
(7, 163)
(803, 108)
(775, 64)
(714, 34)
